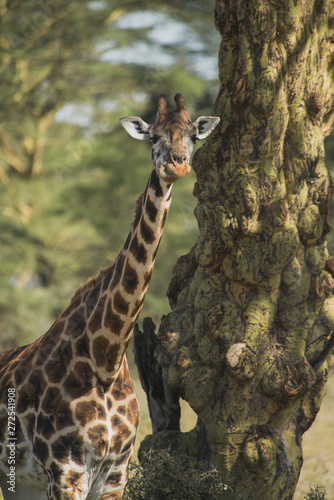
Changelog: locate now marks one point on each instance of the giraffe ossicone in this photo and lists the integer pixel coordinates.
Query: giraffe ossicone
(73, 409)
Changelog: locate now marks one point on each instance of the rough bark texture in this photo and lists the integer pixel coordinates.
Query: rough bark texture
(248, 340)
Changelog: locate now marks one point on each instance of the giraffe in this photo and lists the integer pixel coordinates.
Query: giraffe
(68, 410)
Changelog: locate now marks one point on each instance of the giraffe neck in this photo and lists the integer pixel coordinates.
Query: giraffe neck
(123, 289)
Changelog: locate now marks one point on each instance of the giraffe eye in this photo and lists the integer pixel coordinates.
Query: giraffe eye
(193, 139)
(154, 139)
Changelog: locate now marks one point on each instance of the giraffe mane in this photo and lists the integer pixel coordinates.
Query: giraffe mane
(91, 283)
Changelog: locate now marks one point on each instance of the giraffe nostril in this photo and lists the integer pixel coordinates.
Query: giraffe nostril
(179, 158)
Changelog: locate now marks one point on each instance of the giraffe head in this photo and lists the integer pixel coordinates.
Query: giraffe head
(173, 137)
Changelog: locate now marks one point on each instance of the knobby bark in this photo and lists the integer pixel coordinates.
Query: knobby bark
(248, 340)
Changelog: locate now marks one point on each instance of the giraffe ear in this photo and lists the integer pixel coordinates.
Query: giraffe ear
(205, 125)
(136, 127)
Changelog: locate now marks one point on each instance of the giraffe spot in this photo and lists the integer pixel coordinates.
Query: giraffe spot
(79, 381)
(69, 446)
(151, 210)
(41, 450)
(23, 399)
(121, 410)
(130, 279)
(78, 454)
(74, 480)
(76, 323)
(100, 344)
(121, 390)
(95, 321)
(121, 434)
(115, 479)
(81, 347)
(109, 404)
(30, 393)
(56, 471)
(105, 354)
(138, 250)
(120, 304)
(55, 371)
(107, 279)
(112, 321)
(100, 390)
(119, 267)
(147, 279)
(45, 425)
(55, 368)
(115, 421)
(51, 400)
(163, 221)
(155, 184)
(86, 411)
(92, 298)
(37, 381)
(146, 232)
(99, 438)
(133, 412)
(112, 357)
(21, 375)
(63, 416)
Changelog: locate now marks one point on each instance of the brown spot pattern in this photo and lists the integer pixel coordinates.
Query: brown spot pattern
(146, 233)
(130, 279)
(120, 304)
(151, 210)
(41, 450)
(138, 250)
(79, 381)
(99, 438)
(87, 411)
(95, 321)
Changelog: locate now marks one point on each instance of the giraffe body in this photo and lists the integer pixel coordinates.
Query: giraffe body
(76, 412)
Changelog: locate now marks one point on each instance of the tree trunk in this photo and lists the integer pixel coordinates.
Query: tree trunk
(251, 327)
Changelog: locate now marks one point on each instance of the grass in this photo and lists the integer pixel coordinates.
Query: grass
(318, 447)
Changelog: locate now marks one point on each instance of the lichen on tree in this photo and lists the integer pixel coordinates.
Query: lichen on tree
(248, 339)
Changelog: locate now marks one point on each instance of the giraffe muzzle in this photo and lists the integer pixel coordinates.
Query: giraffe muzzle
(176, 170)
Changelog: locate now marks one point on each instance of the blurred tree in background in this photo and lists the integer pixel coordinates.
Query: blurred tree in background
(69, 176)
